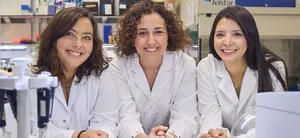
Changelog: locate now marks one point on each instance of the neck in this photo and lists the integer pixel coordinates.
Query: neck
(150, 64)
(236, 68)
(69, 75)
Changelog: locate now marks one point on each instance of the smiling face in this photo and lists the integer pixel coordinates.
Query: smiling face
(152, 37)
(76, 46)
(229, 41)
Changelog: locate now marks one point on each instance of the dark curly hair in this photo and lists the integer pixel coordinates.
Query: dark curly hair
(127, 28)
(59, 25)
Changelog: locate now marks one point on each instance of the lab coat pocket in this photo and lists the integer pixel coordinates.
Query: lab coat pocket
(58, 122)
(84, 121)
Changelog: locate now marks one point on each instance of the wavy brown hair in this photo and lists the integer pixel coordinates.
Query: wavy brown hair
(59, 25)
(127, 28)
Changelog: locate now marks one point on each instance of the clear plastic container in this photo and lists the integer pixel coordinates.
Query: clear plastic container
(244, 124)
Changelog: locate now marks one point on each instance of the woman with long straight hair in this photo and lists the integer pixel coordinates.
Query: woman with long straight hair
(237, 68)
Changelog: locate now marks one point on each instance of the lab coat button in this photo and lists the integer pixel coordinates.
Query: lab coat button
(64, 121)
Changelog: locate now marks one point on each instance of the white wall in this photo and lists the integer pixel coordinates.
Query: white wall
(269, 26)
(278, 23)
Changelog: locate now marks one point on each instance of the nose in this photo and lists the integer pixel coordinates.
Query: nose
(77, 43)
(151, 39)
(228, 40)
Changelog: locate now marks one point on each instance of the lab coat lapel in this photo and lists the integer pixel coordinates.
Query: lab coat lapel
(139, 76)
(248, 87)
(164, 76)
(225, 83)
(76, 90)
(59, 96)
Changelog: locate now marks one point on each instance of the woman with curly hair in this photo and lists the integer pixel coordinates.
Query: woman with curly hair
(86, 102)
(155, 79)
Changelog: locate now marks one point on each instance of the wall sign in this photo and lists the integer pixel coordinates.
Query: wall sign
(221, 2)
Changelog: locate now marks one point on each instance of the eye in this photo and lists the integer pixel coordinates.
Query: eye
(237, 34)
(159, 32)
(87, 38)
(69, 34)
(142, 33)
(219, 35)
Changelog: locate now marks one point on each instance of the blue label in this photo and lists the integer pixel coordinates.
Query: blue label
(266, 3)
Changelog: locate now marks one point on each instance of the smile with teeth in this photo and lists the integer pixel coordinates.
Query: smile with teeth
(229, 50)
(151, 49)
(73, 53)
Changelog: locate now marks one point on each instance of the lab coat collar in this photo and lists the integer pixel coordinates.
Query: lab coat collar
(59, 94)
(167, 63)
(225, 83)
(164, 76)
(226, 86)
(140, 79)
(75, 91)
(249, 85)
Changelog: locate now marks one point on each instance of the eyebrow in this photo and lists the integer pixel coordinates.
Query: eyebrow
(85, 33)
(232, 31)
(144, 29)
(158, 28)
(237, 31)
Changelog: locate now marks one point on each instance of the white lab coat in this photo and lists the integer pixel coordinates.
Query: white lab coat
(93, 105)
(172, 101)
(218, 103)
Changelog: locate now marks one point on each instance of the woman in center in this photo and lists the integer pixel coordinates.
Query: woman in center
(155, 79)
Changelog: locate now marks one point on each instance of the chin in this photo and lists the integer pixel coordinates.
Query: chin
(233, 59)
(75, 65)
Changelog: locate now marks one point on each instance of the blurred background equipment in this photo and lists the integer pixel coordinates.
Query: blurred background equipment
(278, 115)
(16, 88)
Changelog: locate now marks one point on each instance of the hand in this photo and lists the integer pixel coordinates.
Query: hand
(171, 135)
(205, 136)
(223, 133)
(158, 132)
(161, 133)
(91, 134)
(223, 136)
(141, 135)
(215, 133)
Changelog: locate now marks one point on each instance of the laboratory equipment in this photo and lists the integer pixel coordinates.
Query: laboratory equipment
(17, 91)
(244, 125)
(278, 115)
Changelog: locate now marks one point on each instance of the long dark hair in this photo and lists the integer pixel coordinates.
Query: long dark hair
(257, 56)
(59, 25)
